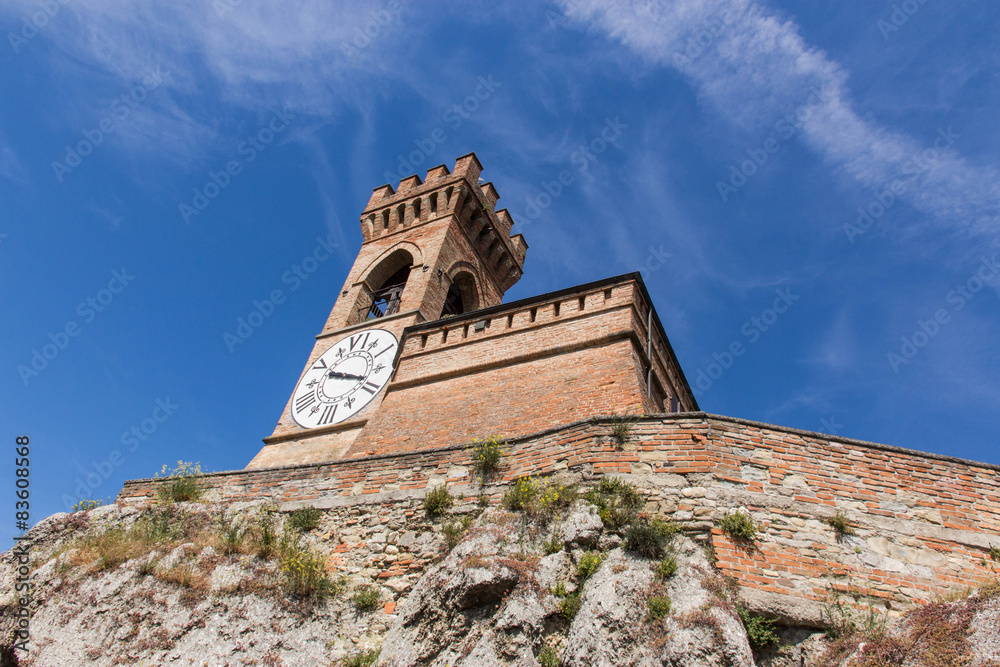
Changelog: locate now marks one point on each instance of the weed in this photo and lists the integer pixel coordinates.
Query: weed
(181, 484)
(570, 605)
(621, 425)
(645, 540)
(995, 554)
(553, 545)
(148, 567)
(589, 563)
(305, 574)
(548, 657)
(483, 500)
(486, 457)
(538, 499)
(844, 619)
(438, 501)
(739, 526)
(666, 568)
(560, 590)
(305, 519)
(659, 606)
(367, 598)
(362, 659)
(231, 538)
(841, 525)
(84, 505)
(617, 502)
(475, 561)
(760, 630)
(454, 531)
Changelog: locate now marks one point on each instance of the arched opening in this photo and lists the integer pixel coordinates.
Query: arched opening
(462, 296)
(385, 300)
(383, 287)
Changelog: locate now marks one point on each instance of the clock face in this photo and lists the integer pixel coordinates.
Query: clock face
(344, 379)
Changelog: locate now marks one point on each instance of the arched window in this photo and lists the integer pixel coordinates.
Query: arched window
(462, 296)
(385, 300)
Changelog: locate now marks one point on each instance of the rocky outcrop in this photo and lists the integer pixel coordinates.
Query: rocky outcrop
(206, 584)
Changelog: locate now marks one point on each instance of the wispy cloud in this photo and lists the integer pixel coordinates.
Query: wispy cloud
(751, 65)
(10, 165)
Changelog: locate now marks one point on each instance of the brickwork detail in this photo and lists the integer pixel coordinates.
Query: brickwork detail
(924, 523)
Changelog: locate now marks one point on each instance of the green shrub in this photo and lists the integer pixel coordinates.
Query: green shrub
(617, 502)
(181, 484)
(995, 553)
(666, 568)
(539, 499)
(570, 605)
(454, 531)
(589, 563)
(739, 526)
(659, 606)
(760, 630)
(645, 540)
(305, 519)
(840, 524)
(305, 574)
(548, 657)
(486, 457)
(362, 659)
(438, 501)
(367, 598)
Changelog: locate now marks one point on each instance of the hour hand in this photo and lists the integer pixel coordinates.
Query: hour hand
(345, 376)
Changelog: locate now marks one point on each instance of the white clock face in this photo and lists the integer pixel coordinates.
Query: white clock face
(344, 379)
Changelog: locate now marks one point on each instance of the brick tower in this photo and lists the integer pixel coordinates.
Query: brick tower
(431, 249)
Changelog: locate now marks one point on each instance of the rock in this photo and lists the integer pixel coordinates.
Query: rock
(583, 526)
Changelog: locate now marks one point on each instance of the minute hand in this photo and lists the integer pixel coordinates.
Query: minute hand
(346, 376)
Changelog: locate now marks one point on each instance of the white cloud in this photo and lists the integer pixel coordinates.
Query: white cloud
(10, 165)
(752, 66)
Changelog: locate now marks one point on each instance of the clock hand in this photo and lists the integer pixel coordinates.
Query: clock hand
(346, 376)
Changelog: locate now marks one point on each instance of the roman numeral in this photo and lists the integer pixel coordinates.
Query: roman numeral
(321, 364)
(370, 387)
(303, 402)
(328, 414)
(355, 339)
(382, 352)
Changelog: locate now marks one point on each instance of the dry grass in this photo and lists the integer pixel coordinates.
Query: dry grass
(934, 635)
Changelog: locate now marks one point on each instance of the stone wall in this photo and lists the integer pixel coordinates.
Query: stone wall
(924, 523)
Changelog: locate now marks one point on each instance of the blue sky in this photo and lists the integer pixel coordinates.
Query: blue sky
(836, 162)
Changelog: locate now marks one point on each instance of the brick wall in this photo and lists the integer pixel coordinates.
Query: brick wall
(924, 523)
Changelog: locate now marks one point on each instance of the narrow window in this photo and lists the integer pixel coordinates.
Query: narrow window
(555, 309)
(434, 202)
(534, 311)
(416, 210)
(583, 302)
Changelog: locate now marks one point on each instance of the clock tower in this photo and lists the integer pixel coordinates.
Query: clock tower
(432, 249)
